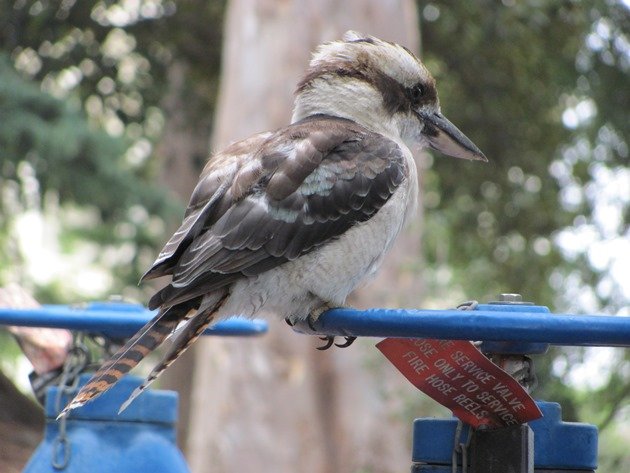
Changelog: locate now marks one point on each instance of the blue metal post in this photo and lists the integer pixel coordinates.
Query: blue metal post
(508, 328)
(569, 447)
(95, 438)
(545, 445)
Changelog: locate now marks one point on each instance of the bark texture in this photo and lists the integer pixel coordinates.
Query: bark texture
(21, 418)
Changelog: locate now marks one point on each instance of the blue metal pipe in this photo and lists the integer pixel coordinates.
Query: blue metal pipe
(502, 323)
(117, 320)
(519, 323)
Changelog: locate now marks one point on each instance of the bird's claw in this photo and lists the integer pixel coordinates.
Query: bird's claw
(349, 341)
(329, 342)
(289, 322)
(329, 339)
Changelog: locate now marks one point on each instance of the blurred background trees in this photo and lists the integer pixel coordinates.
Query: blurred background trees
(107, 112)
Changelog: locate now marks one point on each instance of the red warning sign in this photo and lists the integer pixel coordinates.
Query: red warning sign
(460, 377)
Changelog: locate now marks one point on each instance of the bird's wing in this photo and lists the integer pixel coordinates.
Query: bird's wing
(278, 197)
(212, 189)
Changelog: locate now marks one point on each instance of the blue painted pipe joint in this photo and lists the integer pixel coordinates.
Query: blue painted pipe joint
(96, 439)
(513, 347)
(566, 446)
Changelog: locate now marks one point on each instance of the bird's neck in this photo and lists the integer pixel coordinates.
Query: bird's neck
(360, 103)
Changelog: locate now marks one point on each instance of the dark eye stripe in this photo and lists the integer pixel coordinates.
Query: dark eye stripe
(396, 97)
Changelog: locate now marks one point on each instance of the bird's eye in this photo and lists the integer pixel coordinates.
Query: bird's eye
(417, 92)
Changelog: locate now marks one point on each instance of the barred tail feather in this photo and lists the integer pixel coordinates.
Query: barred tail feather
(140, 345)
(184, 339)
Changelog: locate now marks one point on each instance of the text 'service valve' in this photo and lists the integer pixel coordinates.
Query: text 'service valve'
(458, 376)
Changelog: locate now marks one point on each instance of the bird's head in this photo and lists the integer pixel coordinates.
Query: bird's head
(384, 87)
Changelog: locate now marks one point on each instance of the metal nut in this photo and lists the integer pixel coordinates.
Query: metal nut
(510, 298)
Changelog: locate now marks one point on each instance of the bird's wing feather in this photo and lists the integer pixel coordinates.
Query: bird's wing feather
(213, 187)
(298, 189)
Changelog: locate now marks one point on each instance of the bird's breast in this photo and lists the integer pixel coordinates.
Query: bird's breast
(332, 271)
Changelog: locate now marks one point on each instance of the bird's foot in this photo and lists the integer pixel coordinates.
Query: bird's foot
(329, 339)
(314, 315)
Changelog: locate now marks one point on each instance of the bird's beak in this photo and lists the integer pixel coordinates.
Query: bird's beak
(446, 138)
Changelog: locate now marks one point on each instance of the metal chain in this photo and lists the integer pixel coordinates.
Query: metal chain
(468, 305)
(456, 447)
(107, 345)
(76, 361)
(461, 448)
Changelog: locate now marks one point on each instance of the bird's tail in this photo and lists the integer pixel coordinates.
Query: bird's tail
(185, 337)
(140, 345)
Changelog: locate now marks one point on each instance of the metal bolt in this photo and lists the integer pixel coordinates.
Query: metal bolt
(512, 298)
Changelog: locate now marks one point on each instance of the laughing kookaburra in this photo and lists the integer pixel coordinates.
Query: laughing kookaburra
(291, 221)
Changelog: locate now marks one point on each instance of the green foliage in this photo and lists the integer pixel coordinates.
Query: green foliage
(506, 75)
(82, 114)
(114, 58)
(51, 142)
(50, 135)
(541, 88)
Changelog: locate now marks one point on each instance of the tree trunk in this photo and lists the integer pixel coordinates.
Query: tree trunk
(275, 403)
(21, 426)
(21, 418)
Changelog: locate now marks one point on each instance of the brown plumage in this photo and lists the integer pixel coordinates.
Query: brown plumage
(291, 221)
(140, 345)
(334, 180)
(306, 188)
